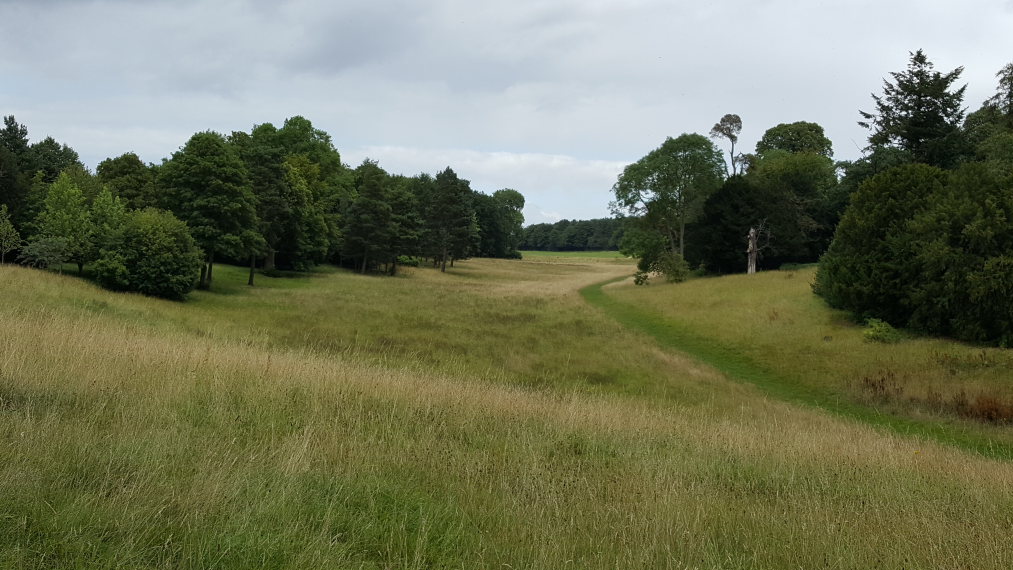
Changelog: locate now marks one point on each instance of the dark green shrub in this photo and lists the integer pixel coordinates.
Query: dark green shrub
(157, 256)
(926, 251)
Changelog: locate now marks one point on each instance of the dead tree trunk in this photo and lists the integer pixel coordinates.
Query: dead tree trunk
(752, 251)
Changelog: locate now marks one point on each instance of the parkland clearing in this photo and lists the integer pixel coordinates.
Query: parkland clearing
(337, 420)
(253, 355)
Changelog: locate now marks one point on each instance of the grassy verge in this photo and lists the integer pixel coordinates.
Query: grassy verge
(773, 335)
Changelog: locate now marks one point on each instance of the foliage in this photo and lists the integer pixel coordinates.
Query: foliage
(66, 216)
(600, 234)
(797, 137)
(10, 239)
(206, 185)
(369, 233)
(157, 257)
(928, 251)
(668, 187)
(129, 179)
(729, 128)
(500, 221)
(44, 252)
(108, 216)
(863, 270)
(920, 113)
(877, 330)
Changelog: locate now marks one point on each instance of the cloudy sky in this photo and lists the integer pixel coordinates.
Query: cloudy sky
(551, 98)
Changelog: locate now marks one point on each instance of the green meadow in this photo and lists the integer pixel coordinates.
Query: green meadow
(505, 414)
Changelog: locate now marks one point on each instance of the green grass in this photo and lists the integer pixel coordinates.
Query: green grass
(771, 331)
(483, 418)
(573, 255)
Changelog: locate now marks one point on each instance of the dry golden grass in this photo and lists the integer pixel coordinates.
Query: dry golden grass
(159, 444)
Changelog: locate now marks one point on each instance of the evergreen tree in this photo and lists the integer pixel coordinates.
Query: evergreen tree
(369, 234)
(450, 219)
(919, 112)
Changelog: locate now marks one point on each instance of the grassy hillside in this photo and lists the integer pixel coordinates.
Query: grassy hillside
(486, 417)
(771, 330)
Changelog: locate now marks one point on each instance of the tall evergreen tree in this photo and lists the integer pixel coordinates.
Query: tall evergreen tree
(450, 218)
(369, 234)
(921, 113)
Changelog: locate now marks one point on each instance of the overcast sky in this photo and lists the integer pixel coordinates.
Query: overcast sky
(551, 98)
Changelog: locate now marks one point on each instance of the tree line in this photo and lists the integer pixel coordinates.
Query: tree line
(917, 232)
(275, 198)
(603, 234)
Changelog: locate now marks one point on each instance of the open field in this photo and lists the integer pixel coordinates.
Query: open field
(574, 255)
(487, 417)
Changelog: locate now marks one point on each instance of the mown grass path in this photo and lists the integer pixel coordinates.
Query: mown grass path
(671, 334)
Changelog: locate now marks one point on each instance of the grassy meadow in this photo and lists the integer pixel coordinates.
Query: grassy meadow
(486, 417)
(772, 328)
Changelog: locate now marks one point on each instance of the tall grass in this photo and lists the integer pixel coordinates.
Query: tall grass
(771, 330)
(146, 434)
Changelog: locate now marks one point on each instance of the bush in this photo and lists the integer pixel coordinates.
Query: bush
(157, 256)
(928, 251)
(406, 261)
(877, 330)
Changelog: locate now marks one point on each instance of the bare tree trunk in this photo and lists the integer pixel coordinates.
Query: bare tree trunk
(253, 266)
(682, 238)
(443, 268)
(364, 259)
(80, 268)
(203, 283)
(752, 251)
(211, 268)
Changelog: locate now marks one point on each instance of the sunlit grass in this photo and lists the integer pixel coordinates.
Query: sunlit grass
(301, 425)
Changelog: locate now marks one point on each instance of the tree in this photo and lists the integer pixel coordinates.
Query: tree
(919, 113)
(797, 137)
(369, 233)
(10, 239)
(1002, 101)
(729, 128)
(108, 216)
(157, 256)
(670, 185)
(499, 220)
(449, 217)
(66, 216)
(45, 252)
(206, 185)
(130, 179)
(865, 270)
(52, 158)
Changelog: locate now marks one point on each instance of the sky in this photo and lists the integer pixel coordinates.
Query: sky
(551, 98)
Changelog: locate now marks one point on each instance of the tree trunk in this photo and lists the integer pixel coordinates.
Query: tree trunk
(393, 266)
(203, 283)
(682, 238)
(253, 266)
(443, 268)
(269, 261)
(451, 261)
(363, 264)
(211, 268)
(80, 268)
(752, 251)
